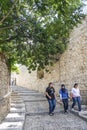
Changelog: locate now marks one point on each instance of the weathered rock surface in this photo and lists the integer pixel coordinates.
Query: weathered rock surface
(4, 88)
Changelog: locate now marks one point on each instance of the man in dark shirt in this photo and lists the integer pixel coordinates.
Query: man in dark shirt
(50, 95)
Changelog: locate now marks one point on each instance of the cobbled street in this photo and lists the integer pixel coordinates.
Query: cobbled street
(37, 117)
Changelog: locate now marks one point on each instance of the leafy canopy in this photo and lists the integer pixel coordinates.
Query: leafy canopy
(32, 32)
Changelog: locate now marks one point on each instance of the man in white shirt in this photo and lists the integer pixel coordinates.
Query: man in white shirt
(75, 94)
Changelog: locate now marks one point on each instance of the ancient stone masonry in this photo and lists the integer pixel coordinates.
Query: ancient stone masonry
(71, 68)
(4, 88)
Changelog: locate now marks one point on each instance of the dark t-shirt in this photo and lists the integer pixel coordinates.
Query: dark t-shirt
(50, 91)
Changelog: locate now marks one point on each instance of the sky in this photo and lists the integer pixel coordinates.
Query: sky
(85, 7)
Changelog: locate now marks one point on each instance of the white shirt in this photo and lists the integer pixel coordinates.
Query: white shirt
(75, 92)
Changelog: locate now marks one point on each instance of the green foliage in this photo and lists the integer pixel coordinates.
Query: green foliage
(15, 68)
(32, 31)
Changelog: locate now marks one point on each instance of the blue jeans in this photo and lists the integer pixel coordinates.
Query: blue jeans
(52, 105)
(78, 101)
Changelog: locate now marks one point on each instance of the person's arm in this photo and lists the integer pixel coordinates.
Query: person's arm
(71, 94)
(67, 94)
(60, 95)
(79, 92)
(46, 93)
(55, 95)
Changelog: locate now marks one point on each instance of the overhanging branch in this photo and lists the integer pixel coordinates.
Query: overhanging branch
(9, 27)
(8, 12)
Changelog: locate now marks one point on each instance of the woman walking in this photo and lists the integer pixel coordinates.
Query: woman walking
(64, 97)
(75, 95)
(50, 95)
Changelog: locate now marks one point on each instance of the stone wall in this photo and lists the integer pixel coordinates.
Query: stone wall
(71, 68)
(4, 88)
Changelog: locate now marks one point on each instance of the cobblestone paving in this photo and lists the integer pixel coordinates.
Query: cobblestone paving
(37, 117)
(37, 120)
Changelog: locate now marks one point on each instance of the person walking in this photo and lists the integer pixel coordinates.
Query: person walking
(50, 95)
(75, 95)
(64, 97)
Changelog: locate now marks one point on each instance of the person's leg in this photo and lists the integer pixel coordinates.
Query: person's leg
(74, 102)
(64, 105)
(54, 104)
(50, 105)
(79, 103)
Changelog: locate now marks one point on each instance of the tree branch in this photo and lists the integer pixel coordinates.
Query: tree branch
(8, 12)
(8, 39)
(9, 27)
(12, 38)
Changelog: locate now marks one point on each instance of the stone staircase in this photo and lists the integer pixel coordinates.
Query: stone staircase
(36, 108)
(82, 114)
(16, 117)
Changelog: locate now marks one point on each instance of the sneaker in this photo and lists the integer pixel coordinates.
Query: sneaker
(65, 112)
(72, 109)
(51, 114)
(81, 111)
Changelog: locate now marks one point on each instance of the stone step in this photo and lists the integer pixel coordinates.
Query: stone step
(17, 105)
(15, 117)
(83, 115)
(17, 98)
(17, 110)
(15, 95)
(34, 100)
(11, 126)
(17, 101)
(29, 94)
(27, 91)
